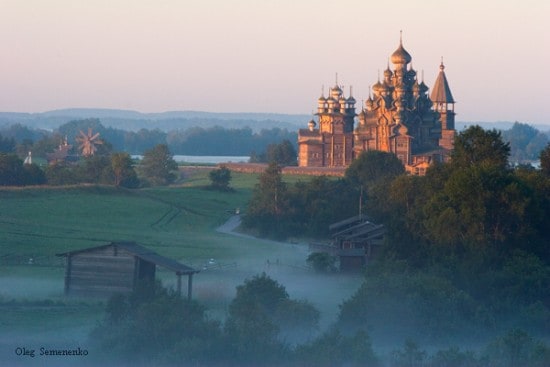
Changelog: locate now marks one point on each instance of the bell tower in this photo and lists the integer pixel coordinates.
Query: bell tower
(444, 105)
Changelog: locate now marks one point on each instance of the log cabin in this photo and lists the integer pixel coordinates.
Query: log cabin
(117, 267)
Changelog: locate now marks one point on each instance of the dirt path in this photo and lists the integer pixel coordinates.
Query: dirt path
(234, 222)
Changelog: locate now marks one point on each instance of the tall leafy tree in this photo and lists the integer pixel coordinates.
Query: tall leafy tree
(268, 207)
(374, 167)
(476, 146)
(158, 165)
(545, 160)
(123, 170)
(373, 172)
(260, 314)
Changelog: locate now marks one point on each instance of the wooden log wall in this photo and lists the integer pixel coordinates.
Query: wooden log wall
(102, 271)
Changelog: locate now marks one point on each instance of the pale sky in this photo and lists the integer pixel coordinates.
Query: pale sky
(269, 55)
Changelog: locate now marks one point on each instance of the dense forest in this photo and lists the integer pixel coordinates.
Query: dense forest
(466, 253)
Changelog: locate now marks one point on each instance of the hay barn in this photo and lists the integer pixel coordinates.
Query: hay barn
(117, 267)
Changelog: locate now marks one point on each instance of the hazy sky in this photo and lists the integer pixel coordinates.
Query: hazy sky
(269, 55)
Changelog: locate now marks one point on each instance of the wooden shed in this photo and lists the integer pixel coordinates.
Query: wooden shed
(355, 238)
(117, 267)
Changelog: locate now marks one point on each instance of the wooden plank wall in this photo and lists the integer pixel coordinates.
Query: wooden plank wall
(101, 272)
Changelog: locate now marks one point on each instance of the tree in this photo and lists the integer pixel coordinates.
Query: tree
(545, 160)
(332, 348)
(410, 356)
(95, 169)
(268, 207)
(322, 262)
(525, 142)
(283, 153)
(476, 146)
(34, 175)
(158, 165)
(260, 315)
(372, 172)
(374, 167)
(220, 178)
(518, 348)
(123, 170)
(60, 174)
(11, 170)
(7, 145)
(155, 325)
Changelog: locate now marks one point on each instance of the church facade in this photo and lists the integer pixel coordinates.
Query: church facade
(399, 117)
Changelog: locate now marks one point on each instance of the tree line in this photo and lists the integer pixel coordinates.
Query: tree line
(157, 168)
(214, 141)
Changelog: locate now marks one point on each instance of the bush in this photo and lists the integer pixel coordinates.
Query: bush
(156, 325)
(322, 262)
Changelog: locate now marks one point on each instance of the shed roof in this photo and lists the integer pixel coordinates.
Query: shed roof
(345, 222)
(142, 253)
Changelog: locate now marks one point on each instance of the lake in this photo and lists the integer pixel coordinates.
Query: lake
(205, 159)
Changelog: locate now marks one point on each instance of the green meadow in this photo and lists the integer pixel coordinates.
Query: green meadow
(178, 222)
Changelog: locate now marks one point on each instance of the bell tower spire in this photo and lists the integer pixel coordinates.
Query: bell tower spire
(444, 104)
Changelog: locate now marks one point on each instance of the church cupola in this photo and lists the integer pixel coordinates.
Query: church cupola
(322, 102)
(400, 57)
(387, 75)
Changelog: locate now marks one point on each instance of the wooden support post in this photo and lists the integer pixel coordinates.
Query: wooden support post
(189, 286)
(179, 283)
(68, 274)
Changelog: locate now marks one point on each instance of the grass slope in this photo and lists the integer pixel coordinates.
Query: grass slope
(179, 222)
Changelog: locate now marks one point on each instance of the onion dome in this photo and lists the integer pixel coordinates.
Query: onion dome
(322, 99)
(401, 56)
(351, 100)
(369, 104)
(336, 92)
(377, 86)
(387, 73)
(311, 124)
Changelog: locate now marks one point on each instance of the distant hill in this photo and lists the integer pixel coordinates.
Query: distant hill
(181, 120)
(498, 125)
(165, 121)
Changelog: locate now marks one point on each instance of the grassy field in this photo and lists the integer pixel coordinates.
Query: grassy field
(179, 222)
